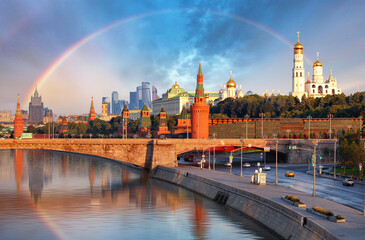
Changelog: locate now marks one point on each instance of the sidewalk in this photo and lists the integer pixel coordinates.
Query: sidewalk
(354, 228)
(339, 177)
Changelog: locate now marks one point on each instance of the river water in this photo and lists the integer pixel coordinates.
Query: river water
(53, 195)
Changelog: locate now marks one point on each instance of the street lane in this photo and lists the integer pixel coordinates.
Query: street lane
(326, 188)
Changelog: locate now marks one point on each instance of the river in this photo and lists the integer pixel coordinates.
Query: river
(55, 195)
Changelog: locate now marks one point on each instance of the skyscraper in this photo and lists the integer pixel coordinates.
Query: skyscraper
(133, 101)
(139, 97)
(106, 100)
(36, 108)
(146, 94)
(154, 93)
(115, 105)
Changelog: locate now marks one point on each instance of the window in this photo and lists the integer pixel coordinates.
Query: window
(301, 74)
(296, 74)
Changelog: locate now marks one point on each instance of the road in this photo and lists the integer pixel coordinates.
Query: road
(326, 188)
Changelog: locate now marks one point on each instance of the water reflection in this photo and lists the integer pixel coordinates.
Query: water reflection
(70, 196)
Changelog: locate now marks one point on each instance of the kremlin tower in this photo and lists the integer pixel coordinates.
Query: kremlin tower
(200, 110)
(162, 128)
(298, 72)
(18, 121)
(92, 114)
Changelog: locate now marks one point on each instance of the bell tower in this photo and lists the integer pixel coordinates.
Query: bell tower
(298, 71)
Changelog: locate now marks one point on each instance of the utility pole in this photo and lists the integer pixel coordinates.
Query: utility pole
(241, 154)
(334, 160)
(314, 169)
(276, 162)
(330, 131)
(262, 115)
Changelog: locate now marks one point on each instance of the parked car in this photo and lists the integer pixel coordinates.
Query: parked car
(289, 174)
(247, 165)
(348, 182)
(266, 168)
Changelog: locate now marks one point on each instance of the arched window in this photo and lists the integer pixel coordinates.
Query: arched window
(320, 89)
(301, 74)
(313, 90)
(296, 74)
(333, 91)
(313, 86)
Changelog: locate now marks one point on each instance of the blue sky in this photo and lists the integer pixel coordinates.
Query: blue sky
(169, 44)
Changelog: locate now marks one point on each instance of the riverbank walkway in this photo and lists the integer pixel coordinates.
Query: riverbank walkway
(353, 228)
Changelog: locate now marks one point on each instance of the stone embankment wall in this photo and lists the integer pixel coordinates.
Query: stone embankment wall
(283, 221)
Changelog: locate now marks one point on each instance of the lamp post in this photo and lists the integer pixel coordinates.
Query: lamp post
(209, 155)
(262, 115)
(214, 151)
(247, 117)
(360, 127)
(314, 169)
(330, 131)
(276, 160)
(334, 160)
(309, 127)
(241, 154)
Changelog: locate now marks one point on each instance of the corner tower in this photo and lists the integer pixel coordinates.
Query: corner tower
(18, 121)
(298, 71)
(200, 110)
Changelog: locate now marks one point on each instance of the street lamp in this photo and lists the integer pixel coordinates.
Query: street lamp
(309, 127)
(241, 154)
(276, 160)
(334, 160)
(214, 151)
(360, 127)
(330, 131)
(209, 155)
(314, 168)
(246, 117)
(262, 115)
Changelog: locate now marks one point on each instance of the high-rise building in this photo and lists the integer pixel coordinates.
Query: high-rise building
(133, 101)
(146, 94)
(18, 121)
(154, 93)
(36, 108)
(106, 100)
(139, 97)
(115, 105)
(200, 110)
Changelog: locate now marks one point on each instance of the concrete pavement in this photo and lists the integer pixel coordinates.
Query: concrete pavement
(354, 228)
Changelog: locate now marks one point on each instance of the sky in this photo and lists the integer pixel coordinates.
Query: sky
(76, 50)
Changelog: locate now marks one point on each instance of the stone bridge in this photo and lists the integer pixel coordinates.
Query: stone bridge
(149, 153)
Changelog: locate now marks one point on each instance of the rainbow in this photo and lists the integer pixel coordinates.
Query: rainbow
(63, 57)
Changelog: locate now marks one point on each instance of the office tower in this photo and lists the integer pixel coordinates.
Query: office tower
(133, 101)
(154, 93)
(139, 97)
(106, 100)
(115, 98)
(36, 108)
(146, 94)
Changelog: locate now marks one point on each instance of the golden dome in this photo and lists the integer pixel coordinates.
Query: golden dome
(176, 85)
(298, 46)
(317, 64)
(231, 83)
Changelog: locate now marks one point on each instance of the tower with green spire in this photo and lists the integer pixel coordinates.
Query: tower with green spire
(163, 128)
(144, 122)
(92, 114)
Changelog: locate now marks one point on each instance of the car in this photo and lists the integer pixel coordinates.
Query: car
(348, 182)
(247, 165)
(266, 168)
(228, 164)
(289, 174)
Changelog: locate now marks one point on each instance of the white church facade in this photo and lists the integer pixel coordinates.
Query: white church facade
(317, 87)
(229, 91)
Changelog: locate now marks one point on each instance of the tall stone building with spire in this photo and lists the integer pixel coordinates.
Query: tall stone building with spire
(35, 108)
(200, 110)
(163, 128)
(92, 114)
(18, 121)
(316, 87)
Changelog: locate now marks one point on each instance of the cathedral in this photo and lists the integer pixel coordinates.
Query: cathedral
(230, 91)
(317, 87)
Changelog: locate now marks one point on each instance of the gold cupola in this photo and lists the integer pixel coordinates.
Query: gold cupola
(317, 63)
(176, 85)
(298, 47)
(231, 83)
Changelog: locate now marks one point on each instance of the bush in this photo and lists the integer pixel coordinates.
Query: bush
(292, 198)
(323, 211)
(339, 217)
